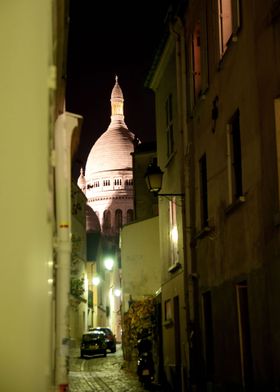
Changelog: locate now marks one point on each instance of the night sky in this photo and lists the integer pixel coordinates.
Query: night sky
(111, 38)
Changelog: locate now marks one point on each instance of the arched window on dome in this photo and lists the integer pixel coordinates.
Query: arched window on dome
(118, 219)
(117, 183)
(106, 182)
(107, 219)
(129, 216)
(128, 182)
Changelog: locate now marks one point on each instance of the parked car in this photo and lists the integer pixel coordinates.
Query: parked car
(93, 342)
(109, 337)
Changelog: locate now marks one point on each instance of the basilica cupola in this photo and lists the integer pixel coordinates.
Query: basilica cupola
(108, 171)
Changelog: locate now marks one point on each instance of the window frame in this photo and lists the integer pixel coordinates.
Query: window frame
(173, 225)
(233, 25)
(169, 126)
(203, 189)
(234, 154)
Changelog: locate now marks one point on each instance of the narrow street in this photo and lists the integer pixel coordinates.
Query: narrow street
(101, 374)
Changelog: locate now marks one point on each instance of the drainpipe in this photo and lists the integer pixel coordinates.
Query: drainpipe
(177, 29)
(191, 276)
(65, 125)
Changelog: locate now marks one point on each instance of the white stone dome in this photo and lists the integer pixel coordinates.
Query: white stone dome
(112, 151)
(109, 172)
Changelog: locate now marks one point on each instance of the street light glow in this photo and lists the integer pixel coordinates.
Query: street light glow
(109, 263)
(95, 280)
(117, 292)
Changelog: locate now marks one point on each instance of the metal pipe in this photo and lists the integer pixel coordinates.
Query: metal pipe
(65, 125)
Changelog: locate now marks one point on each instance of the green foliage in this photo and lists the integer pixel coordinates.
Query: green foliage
(77, 287)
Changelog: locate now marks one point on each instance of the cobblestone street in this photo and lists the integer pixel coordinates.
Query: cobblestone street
(100, 374)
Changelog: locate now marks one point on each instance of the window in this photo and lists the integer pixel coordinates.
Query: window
(196, 60)
(167, 310)
(129, 182)
(229, 22)
(106, 182)
(173, 232)
(107, 219)
(117, 181)
(118, 219)
(169, 125)
(277, 129)
(129, 216)
(203, 191)
(234, 159)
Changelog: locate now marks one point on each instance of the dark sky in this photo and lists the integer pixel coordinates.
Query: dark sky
(111, 38)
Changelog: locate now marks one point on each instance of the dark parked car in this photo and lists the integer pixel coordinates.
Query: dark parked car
(93, 342)
(109, 337)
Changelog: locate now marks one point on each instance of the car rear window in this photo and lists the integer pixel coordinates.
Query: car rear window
(88, 337)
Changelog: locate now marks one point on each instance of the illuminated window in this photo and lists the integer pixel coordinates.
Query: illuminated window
(229, 22)
(234, 158)
(196, 60)
(169, 125)
(173, 232)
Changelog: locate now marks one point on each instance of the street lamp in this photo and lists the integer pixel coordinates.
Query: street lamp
(117, 292)
(153, 177)
(109, 263)
(96, 280)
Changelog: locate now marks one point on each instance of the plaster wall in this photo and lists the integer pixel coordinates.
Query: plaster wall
(141, 273)
(243, 244)
(26, 214)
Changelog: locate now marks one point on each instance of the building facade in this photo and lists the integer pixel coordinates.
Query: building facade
(33, 42)
(216, 81)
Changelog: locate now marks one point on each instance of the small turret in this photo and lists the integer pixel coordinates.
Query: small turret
(82, 181)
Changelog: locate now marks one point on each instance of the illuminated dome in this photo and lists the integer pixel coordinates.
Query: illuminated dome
(109, 174)
(112, 151)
